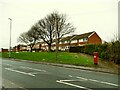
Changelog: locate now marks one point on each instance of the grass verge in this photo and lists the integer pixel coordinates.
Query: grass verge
(63, 57)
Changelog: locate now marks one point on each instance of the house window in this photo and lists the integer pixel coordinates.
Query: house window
(80, 40)
(84, 39)
(54, 43)
(65, 41)
(74, 41)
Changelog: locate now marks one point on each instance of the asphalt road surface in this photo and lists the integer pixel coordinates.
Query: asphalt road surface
(27, 75)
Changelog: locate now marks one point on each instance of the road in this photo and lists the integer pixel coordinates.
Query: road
(27, 75)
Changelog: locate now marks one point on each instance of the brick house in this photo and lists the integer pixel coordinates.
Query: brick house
(20, 47)
(66, 42)
(37, 47)
(79, 40)
(74, 40)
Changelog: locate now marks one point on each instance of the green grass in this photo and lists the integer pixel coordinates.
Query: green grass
(63, 57)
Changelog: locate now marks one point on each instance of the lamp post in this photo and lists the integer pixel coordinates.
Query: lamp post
(10, 37)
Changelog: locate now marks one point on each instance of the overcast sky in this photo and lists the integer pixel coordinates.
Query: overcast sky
(86, 15)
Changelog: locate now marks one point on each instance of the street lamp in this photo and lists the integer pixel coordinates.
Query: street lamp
(10, 37)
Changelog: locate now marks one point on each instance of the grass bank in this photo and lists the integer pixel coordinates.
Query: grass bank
(63, 57)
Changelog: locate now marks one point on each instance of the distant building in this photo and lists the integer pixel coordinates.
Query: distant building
(78, 40)
(20, 47)
(4, 50)
(36, 47)
(74, 40)
(66, 42)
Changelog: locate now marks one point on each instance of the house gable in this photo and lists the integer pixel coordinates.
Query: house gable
(94, 39)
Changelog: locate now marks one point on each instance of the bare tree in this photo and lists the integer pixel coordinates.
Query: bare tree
(23, 38)
(32, 34)
(29, 38)
(61, 25)
(45, 31)
(115, 37)
(53, 26)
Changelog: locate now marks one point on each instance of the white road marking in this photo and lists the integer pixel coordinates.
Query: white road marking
(67, 80)
(20, 72)
(34, 73)
(82, 78)
(70, 76)
(12, 83)
(23, 88)
(86, 79)
(61, 81)
(7, 64)
(110, 83)
(93, 80)
(33, 69)
(99, 81)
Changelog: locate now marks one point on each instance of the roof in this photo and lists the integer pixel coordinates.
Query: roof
(22, 45)
(66, 38)
(75, 37)
(85, 35)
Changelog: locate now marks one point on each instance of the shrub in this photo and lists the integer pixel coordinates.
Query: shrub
(103, 55)
(114, 52)
(107, 51)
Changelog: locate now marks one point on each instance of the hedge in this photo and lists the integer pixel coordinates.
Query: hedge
(107, 51)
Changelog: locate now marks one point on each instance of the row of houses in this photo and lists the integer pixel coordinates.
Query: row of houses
(65, 42)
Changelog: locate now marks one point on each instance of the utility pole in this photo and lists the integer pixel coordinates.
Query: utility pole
(10, 37)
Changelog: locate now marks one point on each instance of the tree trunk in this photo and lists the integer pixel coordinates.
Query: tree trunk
(30, 49)
(49, 48)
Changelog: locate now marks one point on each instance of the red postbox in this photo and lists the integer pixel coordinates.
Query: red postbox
(95, 58)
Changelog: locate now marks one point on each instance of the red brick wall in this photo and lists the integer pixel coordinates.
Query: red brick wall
(94, 39)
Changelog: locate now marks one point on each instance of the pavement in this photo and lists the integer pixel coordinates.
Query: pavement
(26, 75)
(96, 69)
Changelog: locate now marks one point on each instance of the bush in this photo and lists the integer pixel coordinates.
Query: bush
(104, 55)
(114, 52)
(107, 51)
